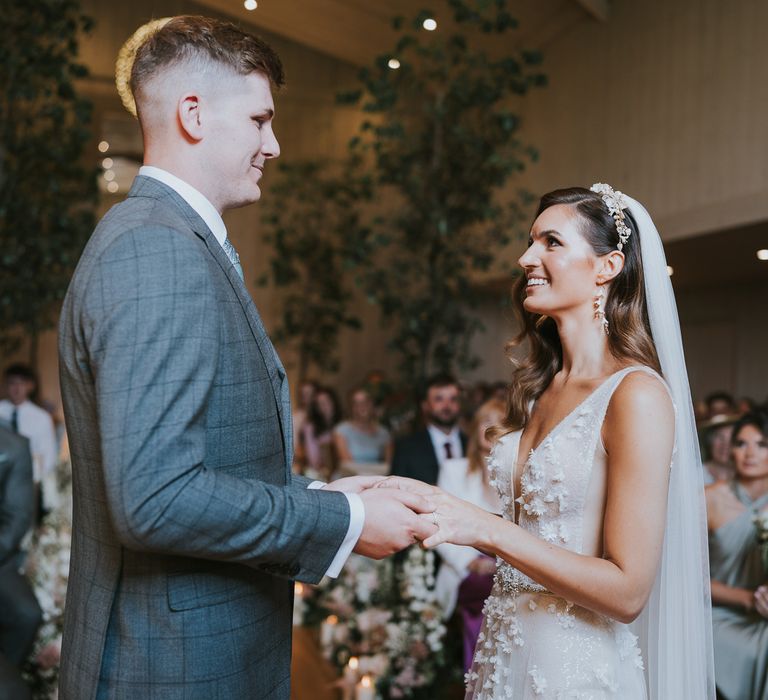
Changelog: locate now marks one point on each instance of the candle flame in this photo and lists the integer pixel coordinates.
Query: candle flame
(366, 682)
(298, 589)
(354, 663)
(332, 619)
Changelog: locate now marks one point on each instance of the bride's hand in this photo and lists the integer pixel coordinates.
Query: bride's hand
(459, 522)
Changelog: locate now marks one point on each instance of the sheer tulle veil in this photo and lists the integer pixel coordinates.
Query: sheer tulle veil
(675, 629)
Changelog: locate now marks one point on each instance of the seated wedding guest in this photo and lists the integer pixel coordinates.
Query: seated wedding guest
(20, 614)
(716, 434)
(422, 454)
(379, 388)
(745, 405)
(362, 444)
(720, 403)
(465, 577)
(499, 390)
(35, 423)
(317, 434)
(739, 590)
(700, 411)
(306, 394)
(474, 395)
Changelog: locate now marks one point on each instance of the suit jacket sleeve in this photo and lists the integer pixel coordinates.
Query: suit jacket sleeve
(16, 498)
(301, 481)
(153, 342)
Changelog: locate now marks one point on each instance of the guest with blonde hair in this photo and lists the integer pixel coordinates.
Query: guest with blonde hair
(362, 444)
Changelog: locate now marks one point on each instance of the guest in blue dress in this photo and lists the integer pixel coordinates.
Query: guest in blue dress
(739, 576)
(363, 445)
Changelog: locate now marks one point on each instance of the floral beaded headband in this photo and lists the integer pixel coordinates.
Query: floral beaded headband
(615, 202)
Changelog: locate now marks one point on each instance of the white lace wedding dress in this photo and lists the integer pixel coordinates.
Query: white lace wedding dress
(533, 644)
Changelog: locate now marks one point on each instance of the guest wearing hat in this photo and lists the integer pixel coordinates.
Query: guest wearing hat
(715, 435)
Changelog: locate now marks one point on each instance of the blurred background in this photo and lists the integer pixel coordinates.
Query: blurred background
(663, 100)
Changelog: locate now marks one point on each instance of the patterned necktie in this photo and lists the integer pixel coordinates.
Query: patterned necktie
(229, 249)
(15, 420)
(448, 451)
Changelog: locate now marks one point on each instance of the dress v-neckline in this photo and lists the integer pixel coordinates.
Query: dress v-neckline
(515, 481)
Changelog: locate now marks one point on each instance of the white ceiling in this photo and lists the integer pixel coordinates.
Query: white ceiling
(357, 31)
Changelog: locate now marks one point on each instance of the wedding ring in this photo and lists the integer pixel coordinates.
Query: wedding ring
(434, 518)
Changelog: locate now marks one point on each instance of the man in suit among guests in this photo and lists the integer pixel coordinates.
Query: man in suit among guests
(188, 524)
(420, 455)
(26, 418)
(20, 614)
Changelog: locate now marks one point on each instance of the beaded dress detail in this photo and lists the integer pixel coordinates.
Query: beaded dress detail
(535, 645)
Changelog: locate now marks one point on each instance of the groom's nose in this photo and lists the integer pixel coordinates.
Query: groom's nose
(270, 147)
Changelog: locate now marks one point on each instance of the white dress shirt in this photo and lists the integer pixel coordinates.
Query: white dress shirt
(35, 424)
(439, 440)
(213, 221)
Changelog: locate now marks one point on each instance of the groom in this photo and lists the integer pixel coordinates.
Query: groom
(188, 525)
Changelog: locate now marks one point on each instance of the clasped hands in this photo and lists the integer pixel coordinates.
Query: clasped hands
(400, 512)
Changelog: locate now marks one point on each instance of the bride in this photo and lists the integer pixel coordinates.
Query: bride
(601, 589)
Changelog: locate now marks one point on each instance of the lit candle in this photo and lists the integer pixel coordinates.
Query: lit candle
(350, 671)
(350, 679)
(298, 604)
(365, 689)
(327, 630)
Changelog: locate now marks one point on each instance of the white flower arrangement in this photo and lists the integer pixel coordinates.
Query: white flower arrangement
(387, 617)
(47, 567)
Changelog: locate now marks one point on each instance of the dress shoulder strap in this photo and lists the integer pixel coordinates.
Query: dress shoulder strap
(607, 390)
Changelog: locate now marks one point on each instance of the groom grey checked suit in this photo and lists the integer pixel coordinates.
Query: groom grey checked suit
(187, 521)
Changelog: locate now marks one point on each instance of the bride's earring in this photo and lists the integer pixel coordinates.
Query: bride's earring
(599, 304)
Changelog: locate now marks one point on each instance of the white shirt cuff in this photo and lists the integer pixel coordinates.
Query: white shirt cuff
(355, 529)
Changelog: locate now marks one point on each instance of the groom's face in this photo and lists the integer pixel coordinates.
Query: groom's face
(242, 138)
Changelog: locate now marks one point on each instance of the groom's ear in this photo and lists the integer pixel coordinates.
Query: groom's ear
(189, 115)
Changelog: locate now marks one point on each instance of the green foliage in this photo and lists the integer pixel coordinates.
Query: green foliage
(46, 194)
(314, 229)
(443, 139)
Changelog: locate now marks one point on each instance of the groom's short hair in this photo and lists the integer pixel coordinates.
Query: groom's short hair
(203, 44)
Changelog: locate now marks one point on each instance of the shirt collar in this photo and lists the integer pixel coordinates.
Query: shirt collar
(191, 196)
(441, 437)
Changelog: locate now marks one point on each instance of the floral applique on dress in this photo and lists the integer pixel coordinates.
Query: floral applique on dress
(535, 645)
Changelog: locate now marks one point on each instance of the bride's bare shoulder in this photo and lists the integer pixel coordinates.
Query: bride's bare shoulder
(642, 392)
(640, 407)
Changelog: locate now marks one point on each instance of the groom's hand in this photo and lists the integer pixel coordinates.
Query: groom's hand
(353, 484)
(392, 522)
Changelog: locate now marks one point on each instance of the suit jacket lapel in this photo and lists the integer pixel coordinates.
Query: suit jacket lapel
(145, 186)
(267, 350)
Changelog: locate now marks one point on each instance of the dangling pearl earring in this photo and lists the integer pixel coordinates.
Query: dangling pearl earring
(599, 304)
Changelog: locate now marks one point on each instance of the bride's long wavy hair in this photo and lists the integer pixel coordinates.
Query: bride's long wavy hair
(625, 307)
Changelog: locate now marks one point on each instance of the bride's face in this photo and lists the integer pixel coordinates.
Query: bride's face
(561, 267)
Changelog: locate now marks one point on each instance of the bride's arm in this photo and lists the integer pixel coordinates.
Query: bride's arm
(638, 436)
